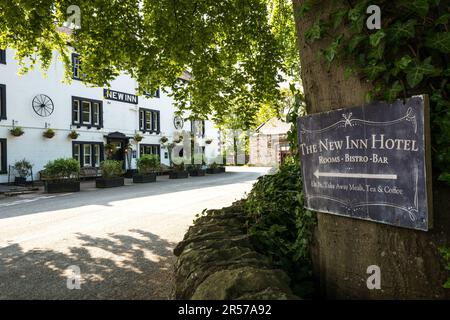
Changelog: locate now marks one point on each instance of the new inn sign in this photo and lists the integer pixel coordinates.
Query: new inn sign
(369, 162)
(120, 96)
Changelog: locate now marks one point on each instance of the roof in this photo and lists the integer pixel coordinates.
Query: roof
(274, 126)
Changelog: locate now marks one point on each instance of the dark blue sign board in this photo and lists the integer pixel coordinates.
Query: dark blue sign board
(369, 162)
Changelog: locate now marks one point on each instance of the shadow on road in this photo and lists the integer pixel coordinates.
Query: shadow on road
(121, 266)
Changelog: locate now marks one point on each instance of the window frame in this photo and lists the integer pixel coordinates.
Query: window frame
(143, 120)
(80, 123)
(3, 157)
(2, 101)
(92, 144)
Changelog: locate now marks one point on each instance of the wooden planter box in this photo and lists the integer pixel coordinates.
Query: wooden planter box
(178, 175)
(139, 178)
(197, 172)
(215, 170)
(62, 186)
(109, 182)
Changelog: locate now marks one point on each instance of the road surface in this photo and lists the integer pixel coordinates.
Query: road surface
(121, 239)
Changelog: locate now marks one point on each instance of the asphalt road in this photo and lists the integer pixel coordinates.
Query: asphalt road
(121, 239)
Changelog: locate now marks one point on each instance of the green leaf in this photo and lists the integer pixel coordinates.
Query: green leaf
(393, 91)
(442, 19)
(416, 72)
(439, 41)
(337, 17)
(330, 52)
(400, 30)
(374, 39)
(403, 62)
(444, 177)
(420, 7)
(354, 42)
(373, 70)
(314, 32)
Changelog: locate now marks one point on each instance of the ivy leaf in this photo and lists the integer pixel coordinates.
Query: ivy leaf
(420, 7)
(354, 41)
(373, 70)
(314, 32)
(439, 41)
(442, 19)
(400, 30)
(337, 17)
(393, 91)
(417, 71)
(403, 62)
(374, 39)
(330, 52)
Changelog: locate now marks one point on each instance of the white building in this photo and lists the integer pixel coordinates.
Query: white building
(101, 117)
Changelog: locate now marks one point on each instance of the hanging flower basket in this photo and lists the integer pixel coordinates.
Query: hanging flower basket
(17, 131)
(163, 140)
(138, 137)
(49, 133)
(73, 135)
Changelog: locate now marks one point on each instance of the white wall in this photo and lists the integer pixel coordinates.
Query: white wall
(117, 116)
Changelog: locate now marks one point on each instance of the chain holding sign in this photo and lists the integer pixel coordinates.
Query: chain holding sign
(369, 162)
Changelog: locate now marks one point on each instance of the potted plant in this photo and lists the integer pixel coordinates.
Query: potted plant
(73, 135)
(49, 133)
(196, 169)
(178, 172)
(17, 131)
(163, 140)
(214, 168)
(23, 169)
(147, 166)
(62, 176)
(138, 137)
(111, 175)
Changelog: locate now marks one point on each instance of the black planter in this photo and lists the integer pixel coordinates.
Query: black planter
(215, 170)
(19, 181)
(109, 182)
(144, 178)
(62, 186)
(130, 173)
(197, 172)
(178, 175)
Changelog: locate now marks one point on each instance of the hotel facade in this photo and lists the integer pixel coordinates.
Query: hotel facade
(102, 118)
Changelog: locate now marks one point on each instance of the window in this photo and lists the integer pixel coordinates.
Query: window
(89, 154)
(76, 66)
(2, 101)
(3, 162)
(149, 120)
(2, 56)
(156, 94)
(198, 127)
(149, 149)
(87, 112)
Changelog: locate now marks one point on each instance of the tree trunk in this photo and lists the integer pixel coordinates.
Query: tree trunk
(343, 248)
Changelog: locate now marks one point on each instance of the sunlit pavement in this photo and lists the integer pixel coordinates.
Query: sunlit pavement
(120, 238)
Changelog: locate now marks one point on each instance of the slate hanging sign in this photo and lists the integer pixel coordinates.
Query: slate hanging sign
(120, 96)
(369, 162)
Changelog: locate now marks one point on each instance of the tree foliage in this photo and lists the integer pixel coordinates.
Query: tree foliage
(235, 50)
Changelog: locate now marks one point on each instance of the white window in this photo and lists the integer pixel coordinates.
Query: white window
(148, 120)
(96, 113)
(86, 112)
(2, 101)
(87, 155)
(96, 159)
(76, 66)
(76, 111)
(3, 162)
(76, 151)
(141, 119)
(155, 121)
